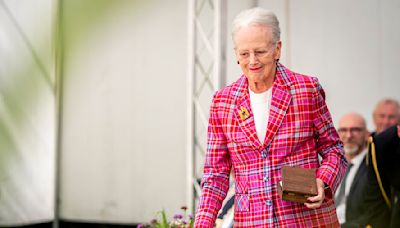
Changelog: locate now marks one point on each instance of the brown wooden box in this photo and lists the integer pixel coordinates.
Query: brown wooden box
(297, 184)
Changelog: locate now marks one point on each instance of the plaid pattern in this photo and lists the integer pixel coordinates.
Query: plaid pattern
(299, 128)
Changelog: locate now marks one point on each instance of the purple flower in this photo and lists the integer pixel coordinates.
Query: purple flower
(190, 217)
(141, 226)
(178, 216)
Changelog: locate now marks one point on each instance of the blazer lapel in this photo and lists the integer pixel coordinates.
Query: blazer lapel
(363, 168)
(280, 102)
(246, 122)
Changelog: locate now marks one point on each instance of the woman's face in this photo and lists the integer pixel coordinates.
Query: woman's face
(256, 53)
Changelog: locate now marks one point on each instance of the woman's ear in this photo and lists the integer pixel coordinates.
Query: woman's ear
(277, 55)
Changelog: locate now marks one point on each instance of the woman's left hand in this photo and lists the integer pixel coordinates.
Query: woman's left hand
(315, 202)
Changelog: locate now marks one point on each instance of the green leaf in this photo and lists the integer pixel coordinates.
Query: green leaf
(164, 221)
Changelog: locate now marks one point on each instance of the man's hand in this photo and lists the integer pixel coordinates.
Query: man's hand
(315, 202)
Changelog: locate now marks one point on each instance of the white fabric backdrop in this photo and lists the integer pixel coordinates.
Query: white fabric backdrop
(27, 112)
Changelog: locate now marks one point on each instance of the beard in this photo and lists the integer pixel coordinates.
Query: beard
(351, 150)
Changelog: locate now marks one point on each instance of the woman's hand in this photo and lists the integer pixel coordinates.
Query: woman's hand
(315, 202)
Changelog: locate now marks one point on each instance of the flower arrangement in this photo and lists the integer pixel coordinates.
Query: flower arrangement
(178, 221)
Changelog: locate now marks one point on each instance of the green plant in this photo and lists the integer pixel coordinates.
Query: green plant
(178, 221)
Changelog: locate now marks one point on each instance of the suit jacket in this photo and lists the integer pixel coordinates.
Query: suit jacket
(356, 211)
(299, 128)
(387, 145)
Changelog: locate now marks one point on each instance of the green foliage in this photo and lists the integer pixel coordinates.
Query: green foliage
(164, 221)
(178, 221)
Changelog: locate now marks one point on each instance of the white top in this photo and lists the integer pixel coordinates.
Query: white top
(260, 103)
(341, 208)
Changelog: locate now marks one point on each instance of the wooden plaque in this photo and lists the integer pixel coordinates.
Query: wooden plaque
(297, 184)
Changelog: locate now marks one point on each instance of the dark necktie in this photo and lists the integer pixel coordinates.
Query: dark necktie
(340, 197)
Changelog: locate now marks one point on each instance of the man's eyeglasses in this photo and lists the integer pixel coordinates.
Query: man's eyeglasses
(352, 130)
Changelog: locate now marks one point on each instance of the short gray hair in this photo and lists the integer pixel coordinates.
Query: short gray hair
(388, 101)
(257, 16)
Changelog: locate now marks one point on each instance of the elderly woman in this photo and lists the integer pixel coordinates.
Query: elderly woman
(269, 118)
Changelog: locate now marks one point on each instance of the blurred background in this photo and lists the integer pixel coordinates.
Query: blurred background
(98, 98)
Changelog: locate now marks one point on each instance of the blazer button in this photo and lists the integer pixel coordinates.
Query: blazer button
(268, 203)
(263, 155)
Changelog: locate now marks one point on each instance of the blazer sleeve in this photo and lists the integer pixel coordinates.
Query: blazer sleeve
(217, 166)
(329, 146)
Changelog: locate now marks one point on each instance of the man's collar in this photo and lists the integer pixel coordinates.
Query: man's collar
(359, 157)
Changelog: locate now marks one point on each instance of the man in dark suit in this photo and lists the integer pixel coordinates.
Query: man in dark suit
(384, 178)
(383, 196)
(349, 197)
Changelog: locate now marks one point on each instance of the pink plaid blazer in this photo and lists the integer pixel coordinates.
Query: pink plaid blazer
(299, 128)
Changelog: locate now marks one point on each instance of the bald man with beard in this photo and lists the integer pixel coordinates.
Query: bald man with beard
(349, 198)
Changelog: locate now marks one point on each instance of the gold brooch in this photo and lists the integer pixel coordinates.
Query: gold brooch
(243, 113)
